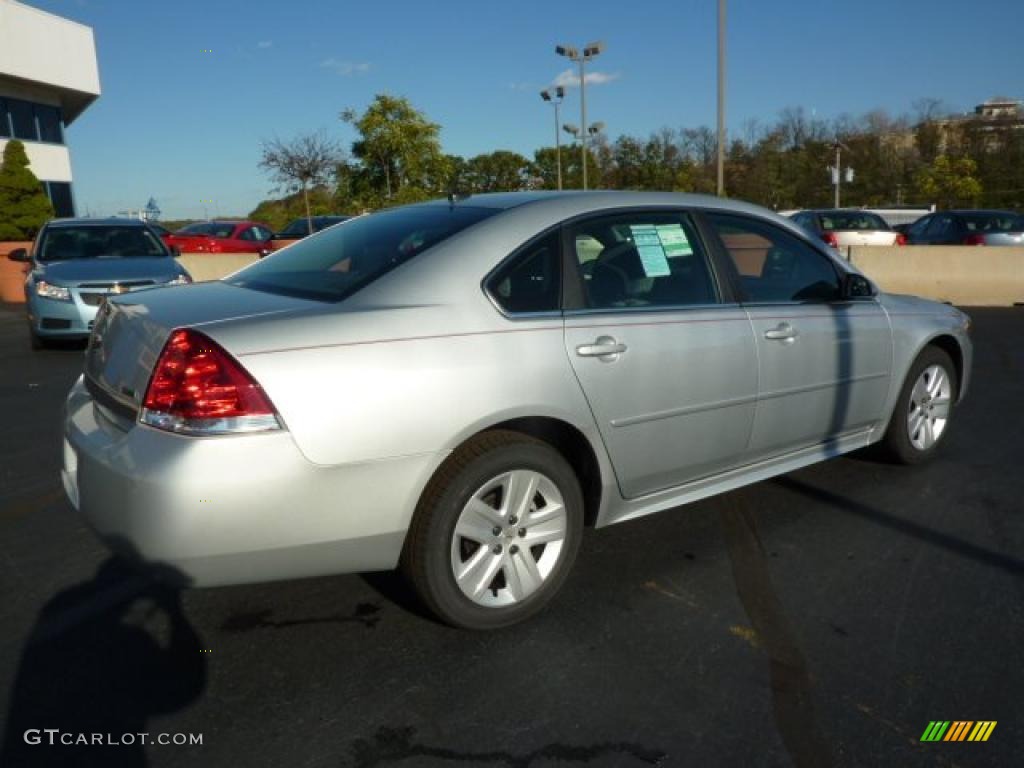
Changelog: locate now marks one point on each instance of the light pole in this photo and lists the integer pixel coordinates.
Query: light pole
(721, 98)
(837, 171)
(590, 51)
(556, 96)
(593, 129)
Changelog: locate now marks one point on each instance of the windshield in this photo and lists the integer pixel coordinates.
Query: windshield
(208, 228)
(993, 222)
(847, 220)
(91, 242)
(338, 262)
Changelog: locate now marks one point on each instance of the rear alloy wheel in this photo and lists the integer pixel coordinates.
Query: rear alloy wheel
(921, 418)
(496, 532)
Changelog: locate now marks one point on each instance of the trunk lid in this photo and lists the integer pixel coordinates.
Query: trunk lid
(864, 237)
(130, 332)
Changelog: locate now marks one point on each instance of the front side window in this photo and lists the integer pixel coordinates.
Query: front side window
(340, 261)
(641, 260)
(773, 265)
(532, 280)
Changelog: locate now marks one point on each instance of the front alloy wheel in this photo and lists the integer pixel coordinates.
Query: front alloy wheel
(921, 418)
(496, 531)
(930, 404)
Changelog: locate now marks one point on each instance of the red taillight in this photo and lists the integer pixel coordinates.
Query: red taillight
(198, 388)
(830, 238)
(974, 239)
(901, 239)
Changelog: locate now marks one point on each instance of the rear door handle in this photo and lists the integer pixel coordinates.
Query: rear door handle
(604, 347)
(782, 332)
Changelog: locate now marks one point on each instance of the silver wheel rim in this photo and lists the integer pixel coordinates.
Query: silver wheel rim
(930, 403)
(509, 537)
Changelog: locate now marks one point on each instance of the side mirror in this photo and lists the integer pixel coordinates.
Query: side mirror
(857, 286)
(18, 254)
(175, 251)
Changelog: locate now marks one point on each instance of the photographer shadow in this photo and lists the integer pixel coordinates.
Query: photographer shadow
(103, 658)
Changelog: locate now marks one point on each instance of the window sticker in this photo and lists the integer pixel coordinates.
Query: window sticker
(673, 239)
(649, 247)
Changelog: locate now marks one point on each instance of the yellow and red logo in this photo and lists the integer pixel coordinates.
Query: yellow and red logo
(958, 730)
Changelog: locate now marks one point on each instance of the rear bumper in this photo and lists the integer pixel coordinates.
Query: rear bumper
(237, 509)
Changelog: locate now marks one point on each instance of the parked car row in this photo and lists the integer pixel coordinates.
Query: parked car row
(852, 226)
(230, 236)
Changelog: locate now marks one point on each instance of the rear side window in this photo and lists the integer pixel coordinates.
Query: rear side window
(339, 261)
(531, 281)
(641, 260)
(775, 266)
(850, 221)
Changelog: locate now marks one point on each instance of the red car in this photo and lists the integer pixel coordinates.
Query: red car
(222, 237)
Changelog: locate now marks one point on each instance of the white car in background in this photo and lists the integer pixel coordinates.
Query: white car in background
(843, 227)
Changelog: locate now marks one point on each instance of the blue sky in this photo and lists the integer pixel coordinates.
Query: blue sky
(184, 125)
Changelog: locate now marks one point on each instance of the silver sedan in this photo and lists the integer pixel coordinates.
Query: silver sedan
(458, 388)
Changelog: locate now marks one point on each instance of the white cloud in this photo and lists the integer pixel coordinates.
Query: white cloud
(265, 44)
(346, 68)
(521, 86)
(570, 79)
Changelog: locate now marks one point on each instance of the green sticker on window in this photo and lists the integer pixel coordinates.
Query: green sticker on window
(674, 241)
(651, 252)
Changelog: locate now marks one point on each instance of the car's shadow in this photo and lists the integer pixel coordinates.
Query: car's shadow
(103, 658)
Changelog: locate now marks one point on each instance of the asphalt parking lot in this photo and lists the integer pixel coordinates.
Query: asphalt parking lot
(822, 618)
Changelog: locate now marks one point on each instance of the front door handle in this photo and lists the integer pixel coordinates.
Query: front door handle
(782, 332)
(604, 347)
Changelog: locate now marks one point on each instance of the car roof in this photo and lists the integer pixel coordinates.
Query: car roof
(984, 211)
(88, 222)
(595, 199)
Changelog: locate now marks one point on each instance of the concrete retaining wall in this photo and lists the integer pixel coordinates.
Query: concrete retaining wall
(971, 276)
(214, 266)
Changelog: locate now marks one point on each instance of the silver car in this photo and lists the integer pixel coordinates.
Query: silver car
(843, 227)
(459, 387)
(77, 263)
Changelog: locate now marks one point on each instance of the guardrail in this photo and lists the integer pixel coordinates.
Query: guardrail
(971, 276)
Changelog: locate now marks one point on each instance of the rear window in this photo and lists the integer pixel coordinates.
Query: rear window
(852, 220)
(208, 228)
(337, 262)
(993, 222)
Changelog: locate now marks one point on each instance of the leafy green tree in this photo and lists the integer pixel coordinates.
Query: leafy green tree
(500, 171)
(949, 181)
(397, 148)
(24, 206)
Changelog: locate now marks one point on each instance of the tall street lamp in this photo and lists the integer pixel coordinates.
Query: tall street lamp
(590, 51)
(556, 96)
(721, 98)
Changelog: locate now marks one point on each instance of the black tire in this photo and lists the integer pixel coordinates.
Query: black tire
(427, 556)
(896, 445)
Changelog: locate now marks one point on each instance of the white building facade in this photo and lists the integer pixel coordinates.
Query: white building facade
(48, 77)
